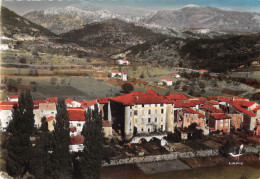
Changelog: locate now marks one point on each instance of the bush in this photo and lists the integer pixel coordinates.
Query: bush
(22, 60)
(127, 87)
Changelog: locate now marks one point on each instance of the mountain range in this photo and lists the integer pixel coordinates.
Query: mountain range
(114, 38)
(61, 20)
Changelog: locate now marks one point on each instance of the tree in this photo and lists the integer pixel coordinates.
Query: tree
(61, 158)
(91, 159)
(142, 75)
(127, 87)
(20, 129)
(196, 133)
(39, 166)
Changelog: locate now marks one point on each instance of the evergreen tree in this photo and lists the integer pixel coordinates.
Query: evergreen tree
(20, 129)
(39, 166)
(61, 158)
(91, 158)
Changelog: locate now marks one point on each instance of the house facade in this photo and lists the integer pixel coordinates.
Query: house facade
(122, 62)
(219, 122)
(118, 75)
(167, 82)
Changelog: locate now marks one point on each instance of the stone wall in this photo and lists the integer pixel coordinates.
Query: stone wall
(155, 158)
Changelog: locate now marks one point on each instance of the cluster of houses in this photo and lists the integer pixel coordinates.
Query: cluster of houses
(147, 113)
(168, 81)
(47, 108)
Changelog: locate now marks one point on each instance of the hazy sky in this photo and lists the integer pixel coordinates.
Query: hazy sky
(22, 6)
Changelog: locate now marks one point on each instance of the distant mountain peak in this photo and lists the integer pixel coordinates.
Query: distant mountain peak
(190, 5)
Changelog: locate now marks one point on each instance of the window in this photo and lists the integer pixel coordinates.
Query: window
(6, 122)
(161, 111)
(142, 129)
(155, 105)
(148, 130)
(149, 111)
(135, 112)
(161, 127)
(149, 120)
(52, 112)
(142, 105)
(155, 119)
(130, 107)
(78, 124)
(161, 104)
(226, 124)
(221, 124)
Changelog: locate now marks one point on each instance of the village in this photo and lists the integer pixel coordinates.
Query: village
(140, 117)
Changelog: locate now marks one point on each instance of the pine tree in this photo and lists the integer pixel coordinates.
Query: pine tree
(20, 129)
(61, 157)
(91, 158)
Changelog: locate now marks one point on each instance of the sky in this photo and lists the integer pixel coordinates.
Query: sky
(23, 6)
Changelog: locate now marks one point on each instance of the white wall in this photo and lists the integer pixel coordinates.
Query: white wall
(76, 147)
(5, 118)
(79, 126)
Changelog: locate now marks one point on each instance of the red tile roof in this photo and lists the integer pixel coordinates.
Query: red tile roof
(87, 104)
(167, 79)
(211, 108)
(257, 108)
(115, 71)
(219, 98)
(213, 102)
(181, 104)
(76, 114)
(203, 70)
(140, 98)
(68, 100)
(50, 118)
(37, 102)
(52, 99)
(220, 116)
(106, 123)
(175, 74)
(104, 100)
(124, 72)
(246, 103)
(124, 59)
(14, 96)
(7, 105)
(239, 107)
(192, 111)
(177, 97)
(76, 140)
(11, 103)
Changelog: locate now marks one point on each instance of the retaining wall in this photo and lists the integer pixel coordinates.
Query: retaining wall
(165, 157)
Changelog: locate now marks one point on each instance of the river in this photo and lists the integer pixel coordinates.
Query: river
(248, 170)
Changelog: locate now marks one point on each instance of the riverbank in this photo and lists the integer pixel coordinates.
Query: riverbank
(204, 167)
